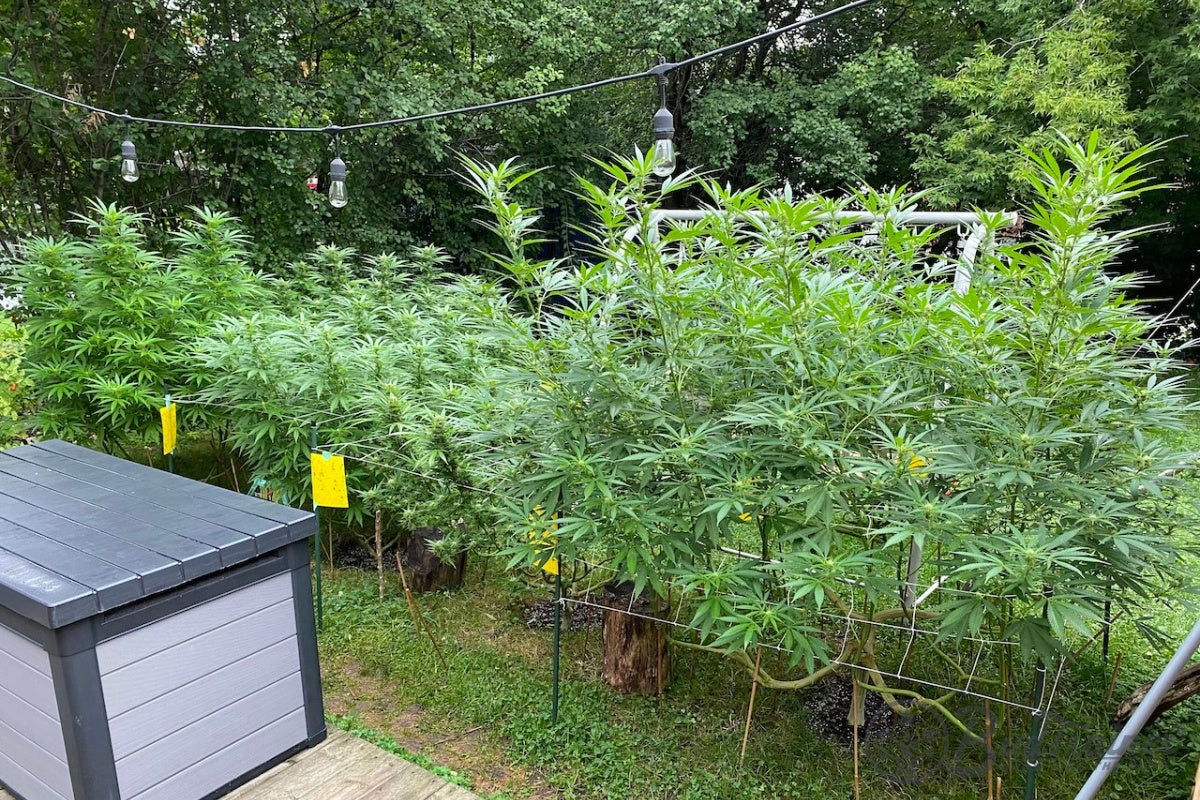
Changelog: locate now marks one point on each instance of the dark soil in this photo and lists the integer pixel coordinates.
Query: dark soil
(828, 705)
(352, 555)
(540, 614)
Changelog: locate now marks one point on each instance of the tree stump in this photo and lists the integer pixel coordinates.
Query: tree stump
(1186, 685)
(426, 571)
(636, 656)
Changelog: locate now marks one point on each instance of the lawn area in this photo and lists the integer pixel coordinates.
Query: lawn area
(484, 714)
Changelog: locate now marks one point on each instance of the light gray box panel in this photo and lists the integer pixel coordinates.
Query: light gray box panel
(32, 749)
(24, 784)
(178, 751)
(177, 709)
(187, 625)
(51, 771)
(238, 758)
(166, 670)
(33, 723)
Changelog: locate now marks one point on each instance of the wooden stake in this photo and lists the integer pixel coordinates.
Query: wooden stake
(750, 710)
(987, 740)
(418, 618)
(854, 714)
(379, 549)
(1112, 684)
(1196, 784)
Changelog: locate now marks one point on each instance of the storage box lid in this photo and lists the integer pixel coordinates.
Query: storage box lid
(82, 532)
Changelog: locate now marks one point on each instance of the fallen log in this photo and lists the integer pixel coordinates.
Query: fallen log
(1186, 685)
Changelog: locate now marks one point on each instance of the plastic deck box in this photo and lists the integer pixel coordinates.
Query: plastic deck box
(157, 639)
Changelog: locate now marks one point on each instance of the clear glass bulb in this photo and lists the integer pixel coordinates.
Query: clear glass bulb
(129, 170)
(129, 167)
(664, 157)
(337, 194)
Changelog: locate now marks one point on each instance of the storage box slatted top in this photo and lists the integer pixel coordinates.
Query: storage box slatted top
(157, 639)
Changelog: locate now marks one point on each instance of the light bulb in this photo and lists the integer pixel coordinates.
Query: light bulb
(129, 166)
(337, 183)
(664, 157)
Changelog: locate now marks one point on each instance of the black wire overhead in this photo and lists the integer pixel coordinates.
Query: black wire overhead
(659, 70)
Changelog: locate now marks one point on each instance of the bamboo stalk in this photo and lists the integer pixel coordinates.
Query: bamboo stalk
(379, 549)
(1196, 784)
(854, 700)
(750, 710)
(418, 618)
(1112, 683)
(987, 738)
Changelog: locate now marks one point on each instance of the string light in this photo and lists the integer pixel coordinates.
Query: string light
(337, 176)
(129, 165)
(663, 120)
(663, 157)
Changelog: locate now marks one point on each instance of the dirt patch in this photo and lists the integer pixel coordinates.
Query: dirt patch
(828, 706)
(540, 614)
(471, 751)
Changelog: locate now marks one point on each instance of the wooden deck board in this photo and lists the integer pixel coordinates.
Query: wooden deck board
(344, 768)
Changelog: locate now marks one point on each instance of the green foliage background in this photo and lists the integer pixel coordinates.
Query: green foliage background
(937, 93)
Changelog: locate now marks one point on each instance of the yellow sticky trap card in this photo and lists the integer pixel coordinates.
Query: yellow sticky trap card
(544, 540)
(329, 481)
(170, 419)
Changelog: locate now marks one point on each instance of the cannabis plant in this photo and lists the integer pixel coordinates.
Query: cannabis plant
(372, 352)
(767, 413)
(109, 320)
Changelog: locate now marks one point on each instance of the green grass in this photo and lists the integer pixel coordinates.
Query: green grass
(497, 675)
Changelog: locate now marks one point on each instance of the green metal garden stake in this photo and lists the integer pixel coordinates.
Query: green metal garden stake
(170, 455)
(317, 541)
(1037, 718)
(557, 643)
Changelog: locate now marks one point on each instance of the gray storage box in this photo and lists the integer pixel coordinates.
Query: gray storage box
(156, 633)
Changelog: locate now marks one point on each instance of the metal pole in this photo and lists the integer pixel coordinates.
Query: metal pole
(557, 645)
(1035, 733)
(1125, 738)
(170, 455)
(317, 542)
(1037, 722)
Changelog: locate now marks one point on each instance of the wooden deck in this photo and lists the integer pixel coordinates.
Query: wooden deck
(344, 768)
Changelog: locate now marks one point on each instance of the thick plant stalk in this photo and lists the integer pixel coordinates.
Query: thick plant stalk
(764, 678)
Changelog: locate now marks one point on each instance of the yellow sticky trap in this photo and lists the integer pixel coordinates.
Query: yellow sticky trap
(914, 465)
(170, 419)
(544, 540)
(329, 480)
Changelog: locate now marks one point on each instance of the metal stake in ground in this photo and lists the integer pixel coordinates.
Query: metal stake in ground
(1037, 726)
(317, 541)
(558, 596)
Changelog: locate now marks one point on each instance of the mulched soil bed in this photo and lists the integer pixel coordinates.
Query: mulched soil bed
(828, 706)
(540, 614)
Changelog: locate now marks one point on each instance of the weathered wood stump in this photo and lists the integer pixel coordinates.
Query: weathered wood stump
(426, 571)
(1186, 685)
(636, 656)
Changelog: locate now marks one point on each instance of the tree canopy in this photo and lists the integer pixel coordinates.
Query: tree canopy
(938, 94)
